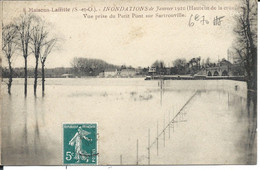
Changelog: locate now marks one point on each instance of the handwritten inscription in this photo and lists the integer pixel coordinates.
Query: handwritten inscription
(202, 20)
(217, 20)
(197, 19)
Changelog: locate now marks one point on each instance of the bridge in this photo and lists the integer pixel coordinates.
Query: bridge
(216, 71)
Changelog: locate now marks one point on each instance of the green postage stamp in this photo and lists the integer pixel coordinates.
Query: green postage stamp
(80, 143)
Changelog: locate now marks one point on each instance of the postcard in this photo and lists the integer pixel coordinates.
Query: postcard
(123, 82)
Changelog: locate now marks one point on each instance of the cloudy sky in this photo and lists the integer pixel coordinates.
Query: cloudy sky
(136, 42)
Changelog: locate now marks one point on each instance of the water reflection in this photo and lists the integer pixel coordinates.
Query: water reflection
(32, 132)
(22, 143)
(36, 129)
(25, 129)
(252, 126)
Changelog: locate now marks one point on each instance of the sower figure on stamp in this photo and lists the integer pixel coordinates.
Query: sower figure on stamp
(77, 140)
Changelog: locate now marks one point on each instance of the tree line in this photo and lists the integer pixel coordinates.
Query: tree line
(90, 67)
(28, 35)
(181, 66)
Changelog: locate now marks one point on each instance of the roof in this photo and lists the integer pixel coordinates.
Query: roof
(67, 75)
(225, 62)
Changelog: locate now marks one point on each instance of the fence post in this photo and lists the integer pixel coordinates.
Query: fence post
(177, 120)
(157, 138)
(173, 121)
(149, 146)
(164, 131)
(137, 152)
(161, 97)
(121, 160)
(169, 125)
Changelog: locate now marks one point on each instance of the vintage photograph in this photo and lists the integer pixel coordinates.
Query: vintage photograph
(149, 82)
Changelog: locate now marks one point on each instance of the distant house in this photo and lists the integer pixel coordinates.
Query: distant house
(152, 70)
(67, 76)
(101, 74)
(127, 72)
(110, 73)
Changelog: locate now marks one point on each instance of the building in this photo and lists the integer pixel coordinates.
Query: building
(152, 70)
(67, 76)
(110, 73)
(101, 74)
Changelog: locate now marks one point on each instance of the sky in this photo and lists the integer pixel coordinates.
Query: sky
(130, 41)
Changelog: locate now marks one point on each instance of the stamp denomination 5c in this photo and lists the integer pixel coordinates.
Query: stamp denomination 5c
(80, 143)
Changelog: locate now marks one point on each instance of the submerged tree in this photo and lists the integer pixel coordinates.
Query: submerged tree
(24, 27)
(46, 50)
(9, 35)
(38, 38)
(28, 33)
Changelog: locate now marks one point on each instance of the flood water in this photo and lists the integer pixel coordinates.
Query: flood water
(217, 126)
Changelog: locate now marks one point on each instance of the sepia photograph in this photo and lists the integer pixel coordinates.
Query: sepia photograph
(148, 82)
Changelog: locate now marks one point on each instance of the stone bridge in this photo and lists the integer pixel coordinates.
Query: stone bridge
(216, 71)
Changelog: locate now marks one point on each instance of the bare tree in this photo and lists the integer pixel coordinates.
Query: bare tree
(246, 48)
(9, 36)
(46, 50)
(24, 25)
(246, 41)
(38, 37)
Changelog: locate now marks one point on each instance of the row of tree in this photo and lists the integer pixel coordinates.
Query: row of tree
(28, 34)
(57, 72)
(90, 67)
(182, 66)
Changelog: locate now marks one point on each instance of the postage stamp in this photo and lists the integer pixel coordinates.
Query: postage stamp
(80, 143)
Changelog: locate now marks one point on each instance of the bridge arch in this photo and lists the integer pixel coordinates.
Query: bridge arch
(225, 73)
(209, 73)
(216, 73)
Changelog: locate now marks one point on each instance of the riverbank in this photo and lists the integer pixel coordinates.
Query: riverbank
(189, 77)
